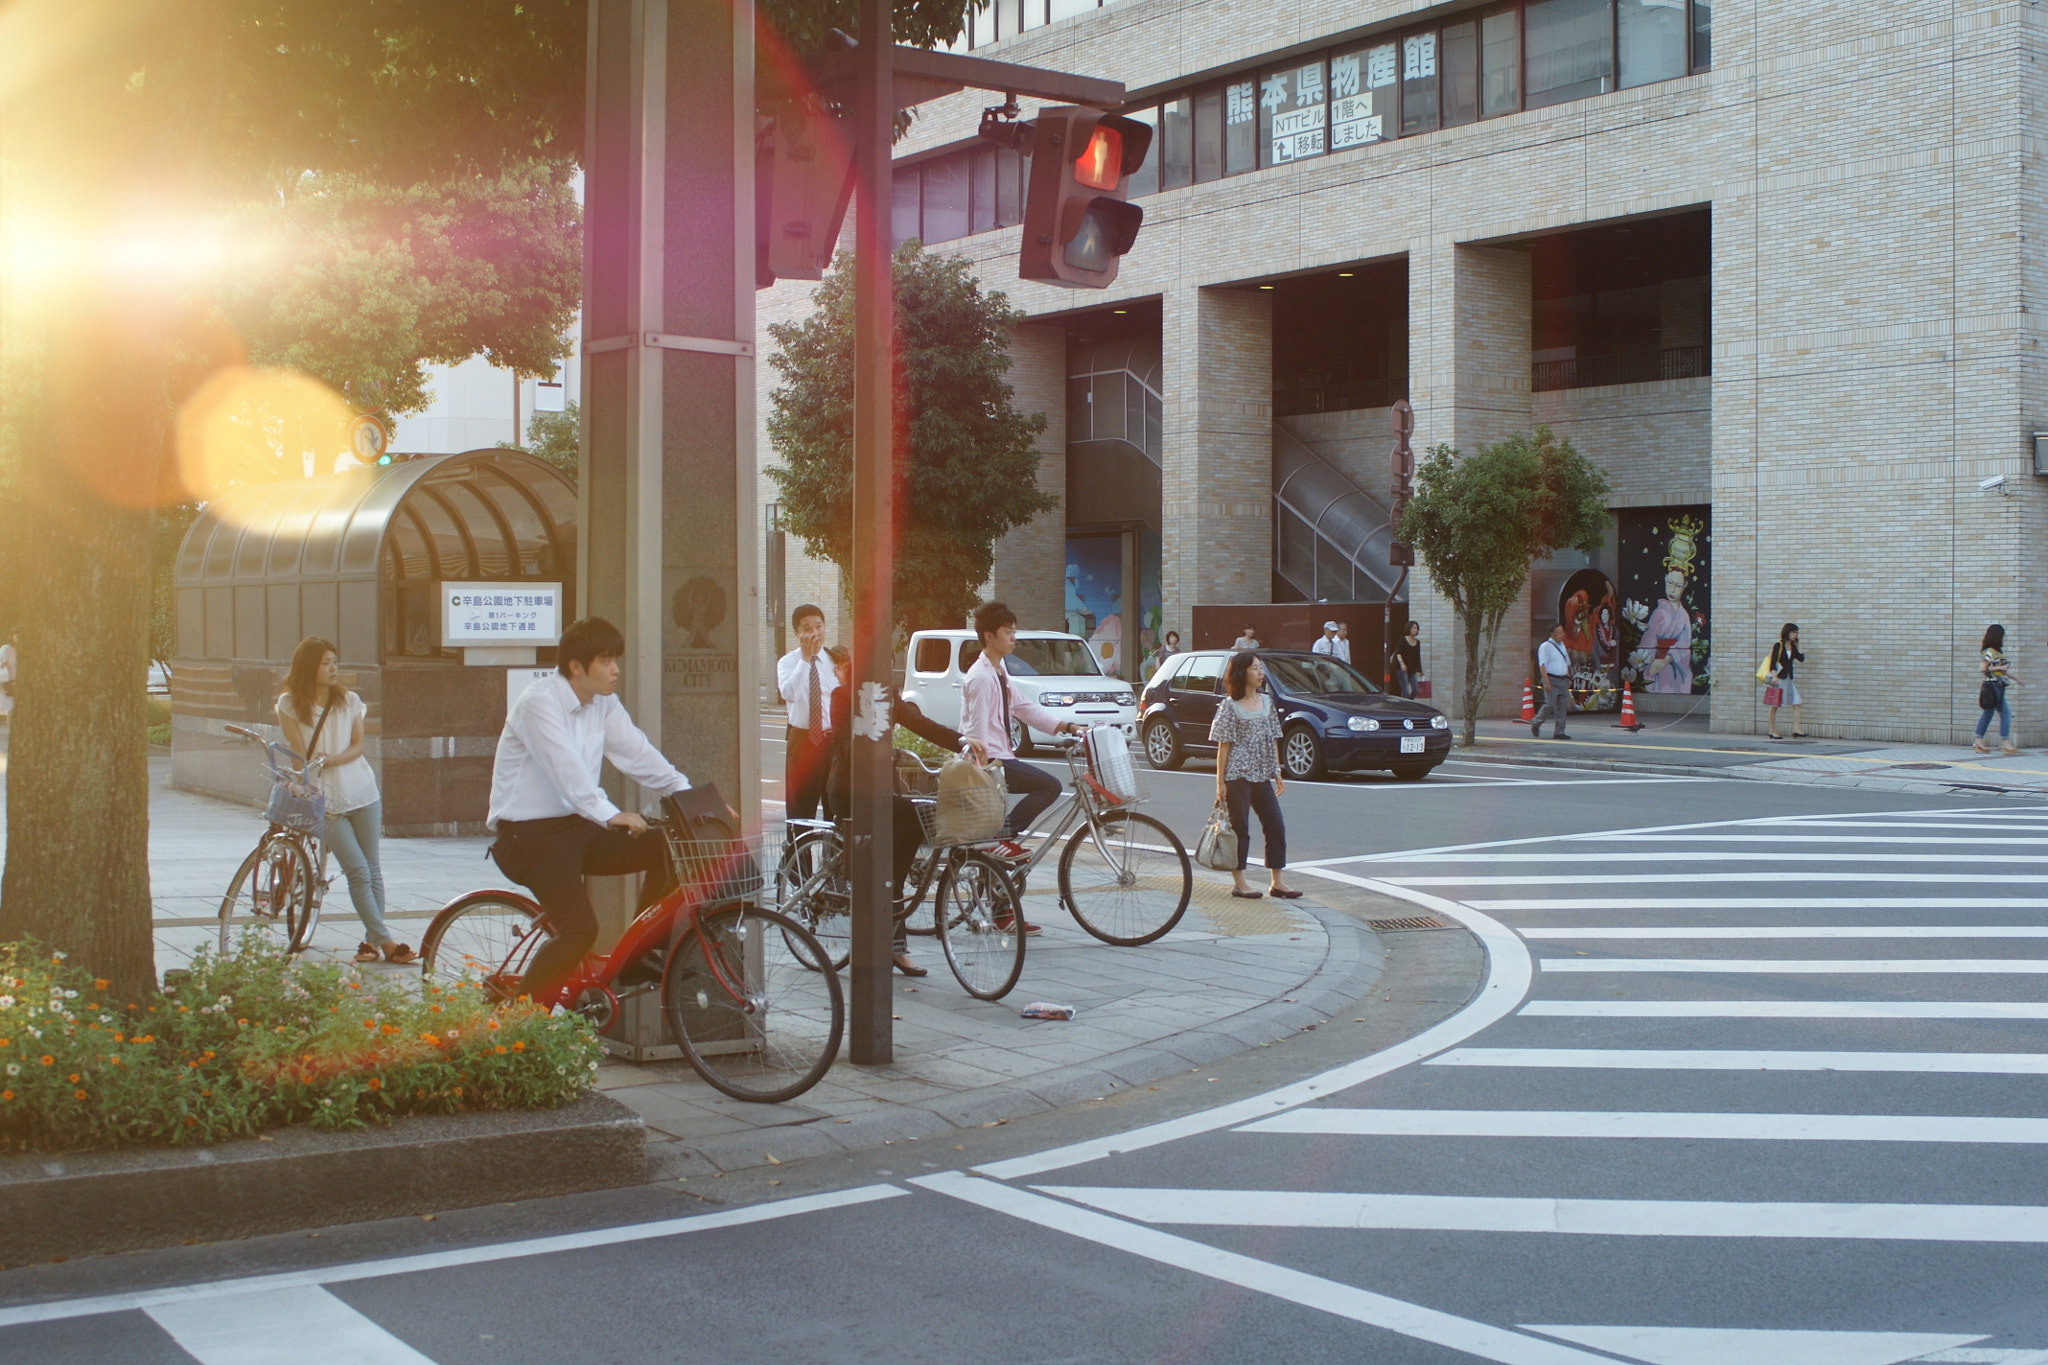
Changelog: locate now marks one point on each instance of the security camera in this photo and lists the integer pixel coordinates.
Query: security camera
(1996, 481)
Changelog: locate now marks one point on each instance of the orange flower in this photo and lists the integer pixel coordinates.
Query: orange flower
(191, 1122)
(78, 1094)
(207, 1055)
(369, 1023)
(458, 1092)
(100, 983)
(120, 1038)
(6, 1094)
(500, 1049)
(494, 1024)
(74, 1078)
(49, 1061)
(376, 1084)
(519, 1047)
(430, 1038)
(389, 1028)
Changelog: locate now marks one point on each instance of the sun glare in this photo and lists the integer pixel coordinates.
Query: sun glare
(248, 426)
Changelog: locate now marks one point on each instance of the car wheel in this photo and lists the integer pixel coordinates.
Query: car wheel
(1413, 772)
(1301, 754)
(1020, 737)
(1162, 749)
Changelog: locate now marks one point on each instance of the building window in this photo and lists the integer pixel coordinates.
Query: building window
(1569, 47)
(1651, 41)
(904, 189)
(1418, 83)
(1460, 74)
(1500, 62)
(1240, 127)
(945, 199)
(1292, 113)
(1363, 94)
(1208, 136)
(1145, 180)
(1702, 34)
(1176, 144)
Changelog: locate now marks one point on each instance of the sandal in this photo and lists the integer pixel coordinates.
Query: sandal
(400, 953)
(367, 952)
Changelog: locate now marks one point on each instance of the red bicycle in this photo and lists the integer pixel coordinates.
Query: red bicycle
(746, 991)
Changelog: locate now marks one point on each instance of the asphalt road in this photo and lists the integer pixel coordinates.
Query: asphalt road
(1754, 1077)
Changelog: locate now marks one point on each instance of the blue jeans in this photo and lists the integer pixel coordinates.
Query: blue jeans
(1040, 789)
(2004, 718)
(352, 839)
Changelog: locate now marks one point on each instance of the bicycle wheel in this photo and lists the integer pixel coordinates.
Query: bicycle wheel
(268, 896)
(980, 926)
(1133, 886)
(743, 997)
(483, 935)
(811, 888)
(917, 885)
(314, 896)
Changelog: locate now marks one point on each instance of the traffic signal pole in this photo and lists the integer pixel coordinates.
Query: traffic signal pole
(871, 1040)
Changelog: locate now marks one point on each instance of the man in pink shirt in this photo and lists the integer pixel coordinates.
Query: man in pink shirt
(987, 702)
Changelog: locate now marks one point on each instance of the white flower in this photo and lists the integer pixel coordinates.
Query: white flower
(14, 1068)
(6, 1002)
(71, 995)
(1635, 613)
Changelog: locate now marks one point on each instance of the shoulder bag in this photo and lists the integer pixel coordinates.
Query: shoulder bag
(1217, 849)
(1763, 670)
(297, 801)
(1989, 694)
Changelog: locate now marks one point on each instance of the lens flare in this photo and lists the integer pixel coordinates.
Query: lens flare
(247, 426)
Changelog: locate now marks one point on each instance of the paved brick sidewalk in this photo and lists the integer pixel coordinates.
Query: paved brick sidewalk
(1234, 974)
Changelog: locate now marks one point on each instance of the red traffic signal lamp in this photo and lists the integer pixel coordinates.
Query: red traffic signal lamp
(1076, 219)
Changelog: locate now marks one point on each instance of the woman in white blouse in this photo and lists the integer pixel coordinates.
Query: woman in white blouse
(322, 719)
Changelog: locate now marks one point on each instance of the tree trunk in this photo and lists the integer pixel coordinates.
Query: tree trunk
(1482, 645)
(77, 872)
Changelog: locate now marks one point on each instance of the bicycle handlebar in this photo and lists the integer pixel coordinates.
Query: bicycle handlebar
(246, 733)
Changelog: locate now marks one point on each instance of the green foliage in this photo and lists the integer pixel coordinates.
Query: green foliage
(1476, 522)
(172, 521)
(965, 459)
(556, 437)
(257, 1040)
(803, 24)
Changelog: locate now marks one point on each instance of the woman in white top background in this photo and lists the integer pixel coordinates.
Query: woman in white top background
(314, 701)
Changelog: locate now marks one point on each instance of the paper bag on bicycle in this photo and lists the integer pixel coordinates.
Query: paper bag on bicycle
(1109, 763)
(971, 803)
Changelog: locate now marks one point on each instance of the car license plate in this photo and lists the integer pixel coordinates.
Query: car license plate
(1411, 744)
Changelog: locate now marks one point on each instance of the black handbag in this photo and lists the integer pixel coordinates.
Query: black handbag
(711, 859)
(1989, 696)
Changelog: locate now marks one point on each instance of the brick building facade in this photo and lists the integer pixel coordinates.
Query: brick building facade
(1863, 353)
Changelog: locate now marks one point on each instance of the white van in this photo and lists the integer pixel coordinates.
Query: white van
(1051, 667)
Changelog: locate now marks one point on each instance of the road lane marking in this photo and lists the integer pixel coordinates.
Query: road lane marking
(1787, 1009)
(1945, 876)
(278, 1327)
(1996, 1223)
(1731, 856)
(147, 1299)
(1508, 974)
(1671, 1059)
(1547, 1123)
(1590, 932)
(1760, 1346)
(1664, 903)
(1799, 966)
(1945, 842)
(1310, 1291)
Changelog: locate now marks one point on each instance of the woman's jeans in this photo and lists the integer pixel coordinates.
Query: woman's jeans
(2004, 718)
(1241, 793)
(352, 839)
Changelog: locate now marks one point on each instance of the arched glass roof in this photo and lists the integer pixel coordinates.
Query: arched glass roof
(343, 554)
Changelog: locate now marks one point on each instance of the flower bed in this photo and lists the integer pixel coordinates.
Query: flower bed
(257, 1040)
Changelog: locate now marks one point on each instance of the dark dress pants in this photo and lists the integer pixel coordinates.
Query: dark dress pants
(1245, 796)
(805, 766)
(551, 858)
(1040, 789)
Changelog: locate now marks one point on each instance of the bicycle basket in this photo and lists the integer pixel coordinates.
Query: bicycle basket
(913, 778)
(296, 801)
(713, 869)
(1111, 774)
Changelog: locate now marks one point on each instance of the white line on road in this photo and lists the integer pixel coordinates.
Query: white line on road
(279, 1327)
(1547, 1123)
(443, 1260)
(1311, 1291)
(1946, 876)
(1686, 1059)
(1794, 931)
(2016, 1223)
(1787, 1009)
(1769, 1346)
(1799, 966)
(1733, 856)
(1663, 903)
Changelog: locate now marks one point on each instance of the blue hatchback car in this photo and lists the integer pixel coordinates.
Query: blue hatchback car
(1334, 717)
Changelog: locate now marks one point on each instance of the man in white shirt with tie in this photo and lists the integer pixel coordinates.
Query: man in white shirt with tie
(1556, 663)
(804, 679)
(554, 824)
(1327, 642)
(987, 702)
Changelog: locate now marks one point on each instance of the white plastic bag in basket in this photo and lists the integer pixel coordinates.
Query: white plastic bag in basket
(1109, 758)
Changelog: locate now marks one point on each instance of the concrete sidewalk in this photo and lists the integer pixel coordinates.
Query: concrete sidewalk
(1686, 746)
(1234, 975)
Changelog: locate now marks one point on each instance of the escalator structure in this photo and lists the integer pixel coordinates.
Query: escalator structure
(1330, 537)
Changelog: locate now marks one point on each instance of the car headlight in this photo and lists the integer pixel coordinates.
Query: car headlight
(1362, 723)
(1439, 722)
(1055, 699)
(1126, 699)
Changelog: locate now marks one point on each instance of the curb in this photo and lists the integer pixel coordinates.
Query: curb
(1742, 772)
(130, 1200)
(1349, 970)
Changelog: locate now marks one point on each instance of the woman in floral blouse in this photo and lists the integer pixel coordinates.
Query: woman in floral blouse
(1248, 774)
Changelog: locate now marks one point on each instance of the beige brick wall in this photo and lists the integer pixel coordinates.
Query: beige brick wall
(1216, 499)
(1031, 560)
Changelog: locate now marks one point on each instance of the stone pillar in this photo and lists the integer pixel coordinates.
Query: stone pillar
(1216, 501)
(667, 544)
(1031, 560)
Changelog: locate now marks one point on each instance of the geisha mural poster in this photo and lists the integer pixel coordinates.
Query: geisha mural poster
(1666, 560)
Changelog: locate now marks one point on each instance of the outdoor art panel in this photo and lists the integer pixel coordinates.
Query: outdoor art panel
(1666, 561)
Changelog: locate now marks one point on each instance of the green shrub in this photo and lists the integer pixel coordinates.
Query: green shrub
(160, 735)
(257, 1040)
(159, 712)
(923, 748)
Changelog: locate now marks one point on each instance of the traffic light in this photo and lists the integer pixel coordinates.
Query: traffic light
(1076, 220)
(803, 180)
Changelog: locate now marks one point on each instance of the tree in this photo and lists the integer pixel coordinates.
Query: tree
(965, 457)
(1478, 521)
(556, 437)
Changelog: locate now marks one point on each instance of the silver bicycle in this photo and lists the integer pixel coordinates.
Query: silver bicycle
(279, 887)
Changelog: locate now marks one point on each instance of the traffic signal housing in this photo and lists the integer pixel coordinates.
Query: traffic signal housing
(1077, 222)
(803, 182)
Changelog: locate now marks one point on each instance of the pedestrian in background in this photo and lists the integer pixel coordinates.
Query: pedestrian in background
(322, 719)
(1784, 654)
(1342, 647)
(1408, 660)
(1998, 674)
(1326, 643)
(1555, 663)
(804, 680)
(1248, 640)
(1247, 735)
(1167, 649)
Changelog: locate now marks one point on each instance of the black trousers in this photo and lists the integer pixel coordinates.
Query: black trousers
(805, 767)
(906, 833)
(1244, 796)
(551, 858)
(1038, 787)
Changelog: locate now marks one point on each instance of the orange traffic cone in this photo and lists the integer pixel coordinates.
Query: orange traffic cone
(1528, 702)
(1628, 708)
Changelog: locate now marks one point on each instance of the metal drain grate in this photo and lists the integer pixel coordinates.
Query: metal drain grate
(1381, 926)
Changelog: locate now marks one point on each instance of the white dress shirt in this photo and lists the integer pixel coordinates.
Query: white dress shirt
(552, 750)
(1325, 644)
(793, 684)
(981, 709)
(1341, 647)
(1552, 659)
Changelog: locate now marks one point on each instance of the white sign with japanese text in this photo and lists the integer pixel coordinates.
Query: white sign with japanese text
(509, 614)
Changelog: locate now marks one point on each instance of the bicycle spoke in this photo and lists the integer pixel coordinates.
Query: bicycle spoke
(752, 1012)
(1127, 879)
(980, 927)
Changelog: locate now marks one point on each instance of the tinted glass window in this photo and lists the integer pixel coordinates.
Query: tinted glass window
(1570, 49)
(1500, 62)
(1202, 674)
(1208, 136)
(1418, 83)
(931, 656)
(1011, 169)
(1240, 127)
(1460, 56)
(945, 199)
(1362, 95)
(1293, 112)
(1318, 676)
(1055, 657)
(1652, 34)
(1176, 144)
(1702, 34)
(1145, 180)
(981, 200)
(903, 205)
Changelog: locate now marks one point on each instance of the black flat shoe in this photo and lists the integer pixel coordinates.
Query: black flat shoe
(1775, 736)
(909, 968)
